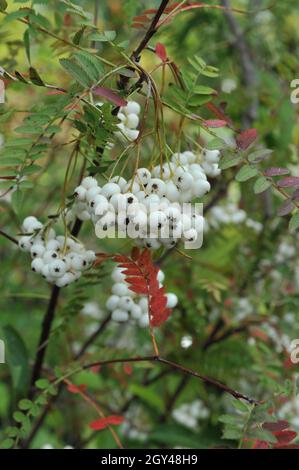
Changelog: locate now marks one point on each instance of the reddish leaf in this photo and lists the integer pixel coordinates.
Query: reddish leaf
(142, 279)
(214, 123)
(137, 25)
(219, 113)
(285, 437)
(102, 423)
(260, 445)
(56, 92)
(288, 182)
(285, 208)
(246, 138)
(276, 427)
(76, 388)
(275, 171)
(110, 96)
(128, 369)
(161, 52)
(136, 281)
(150, 11)
(138, 289)
(115, 419)
(140, 19)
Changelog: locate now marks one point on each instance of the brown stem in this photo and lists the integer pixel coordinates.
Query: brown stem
(151, 30)
(12, 239)
(182, 369)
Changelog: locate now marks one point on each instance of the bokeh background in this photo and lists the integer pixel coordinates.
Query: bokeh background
(238, 296)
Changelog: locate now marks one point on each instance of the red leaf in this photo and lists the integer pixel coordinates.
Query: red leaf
(246, 138)
(219, 113)
(276, 427)
(150, 11)
(161, 52)
(275, 171)
(102, 423)
(261, 445)
(140, 19)
(115, 419)
(288, 182)
(285, 437)
(138, 289)
(110, 95)
(142, 279)
(137, 25)
(136, 281)
(99, 424)
(76, 388)
(128, 369)
(56, 92)
(215, 123)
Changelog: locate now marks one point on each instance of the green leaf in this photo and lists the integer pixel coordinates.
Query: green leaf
(10, 161)
(245, 173)
(26, 39)
(34, 77)
(103, 37)
(231, 419)
(17, 358)
(259, 155)
(203, 90)
(17, 200)
(233, 434)
(229, 161)
(294, 221)
(18, 416)
(78, 36)
(3, 5)
(76, 72)
(42, 383)
(147, 395)
(25, 404)
(261, 185)
(7, 444)
(91, 65)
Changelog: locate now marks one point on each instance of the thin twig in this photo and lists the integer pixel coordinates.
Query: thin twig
(12, 239)
(174, 365)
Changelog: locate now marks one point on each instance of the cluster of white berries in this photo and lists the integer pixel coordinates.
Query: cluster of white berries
(126, 305)
(189, 414)
(149, 207)
(286, 251)
(59, 259)
(129, 121)
(210, 162)
(231, 214)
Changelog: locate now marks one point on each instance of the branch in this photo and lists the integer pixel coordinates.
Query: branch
(182, 369)
(150, 32)
(12, 239)
(246, 62)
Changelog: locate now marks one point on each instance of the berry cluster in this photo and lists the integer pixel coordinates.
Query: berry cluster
(126, 305)
(59, 259)
(189, 414)
(210, 162)
(231, 214)
(149, 207)
(129, 121)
